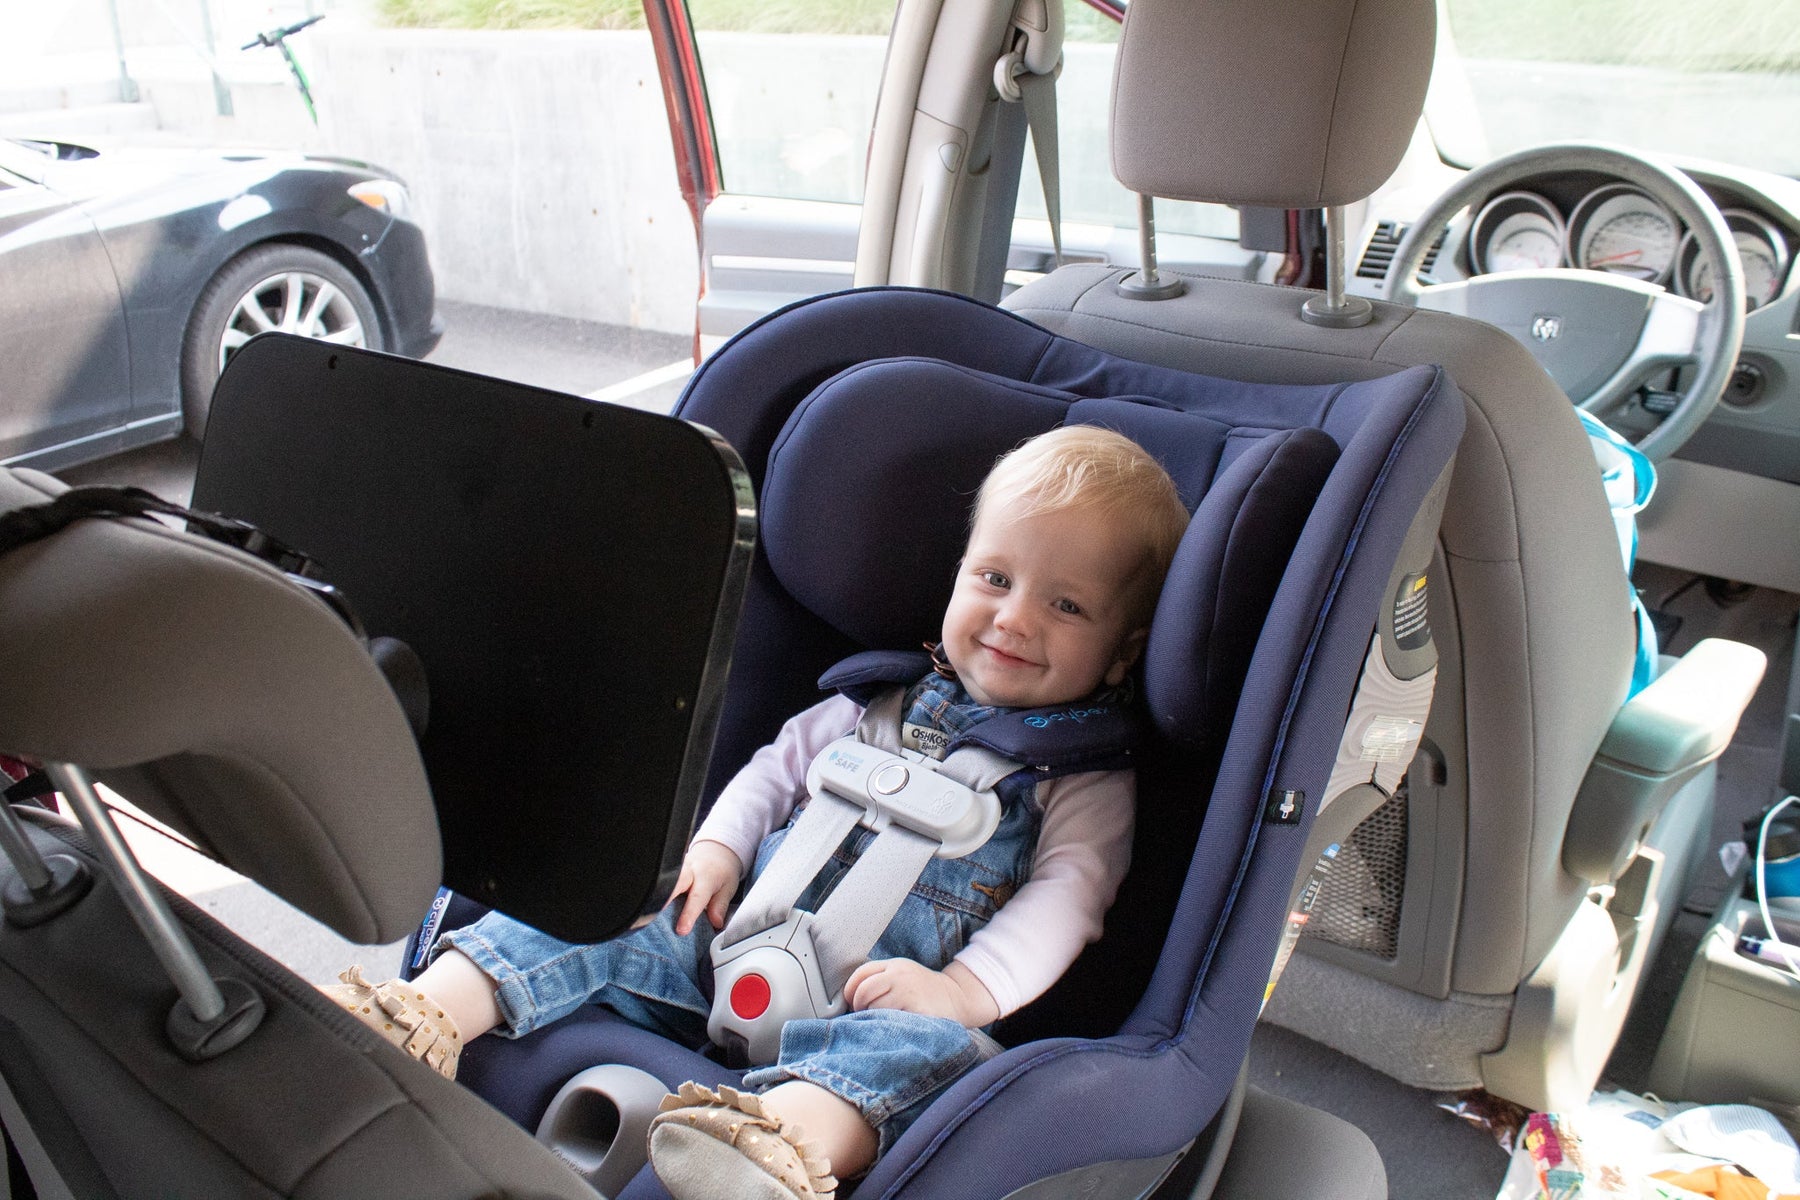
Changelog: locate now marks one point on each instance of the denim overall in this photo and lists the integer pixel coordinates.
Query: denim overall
(890, 1064)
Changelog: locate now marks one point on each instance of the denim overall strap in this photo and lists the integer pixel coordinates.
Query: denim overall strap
(975, 767)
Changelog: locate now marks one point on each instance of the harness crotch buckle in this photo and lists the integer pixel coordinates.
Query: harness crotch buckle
(763, 982)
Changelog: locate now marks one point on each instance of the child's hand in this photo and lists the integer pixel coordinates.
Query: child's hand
(709, 878)
(901, 983)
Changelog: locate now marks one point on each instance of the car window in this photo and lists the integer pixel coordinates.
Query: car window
(1718, 80)
(1089, 193)
(792, 89)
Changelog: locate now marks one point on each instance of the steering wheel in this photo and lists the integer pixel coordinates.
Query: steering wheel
(1600, 336)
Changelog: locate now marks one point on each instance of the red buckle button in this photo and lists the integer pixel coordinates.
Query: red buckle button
(750, 997)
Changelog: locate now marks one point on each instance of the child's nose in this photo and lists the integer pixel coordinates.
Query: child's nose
(1013, 615)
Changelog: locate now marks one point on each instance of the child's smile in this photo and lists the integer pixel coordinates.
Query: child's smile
(1041, 611)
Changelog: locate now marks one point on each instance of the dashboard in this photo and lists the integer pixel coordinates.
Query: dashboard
(1614, 227)
(1590, 220)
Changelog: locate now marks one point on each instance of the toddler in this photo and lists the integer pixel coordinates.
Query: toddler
(1071, 536)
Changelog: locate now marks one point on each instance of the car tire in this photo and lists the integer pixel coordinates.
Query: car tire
(251, 294)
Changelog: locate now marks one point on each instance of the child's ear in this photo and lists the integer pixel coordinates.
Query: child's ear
(1130, 650)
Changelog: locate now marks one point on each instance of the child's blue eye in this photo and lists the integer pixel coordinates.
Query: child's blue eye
(995, 579)
(1068, 606)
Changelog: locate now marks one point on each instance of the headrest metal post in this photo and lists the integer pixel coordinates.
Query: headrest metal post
(148, 909)
(34, 873)
(1148, 284)
(1335, 310)
(44, 887)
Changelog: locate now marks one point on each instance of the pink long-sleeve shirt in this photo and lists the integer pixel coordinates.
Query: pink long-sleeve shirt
(1083, 850)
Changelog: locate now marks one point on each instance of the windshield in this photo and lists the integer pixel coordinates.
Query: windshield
(1716, 79)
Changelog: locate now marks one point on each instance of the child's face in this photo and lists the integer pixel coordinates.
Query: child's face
(1041, 613)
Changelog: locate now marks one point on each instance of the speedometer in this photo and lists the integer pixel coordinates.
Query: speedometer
(1516, 231)
(1621, 230)
(1761, 249)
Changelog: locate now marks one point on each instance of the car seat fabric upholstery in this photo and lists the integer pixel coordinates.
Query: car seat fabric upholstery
(868, 419)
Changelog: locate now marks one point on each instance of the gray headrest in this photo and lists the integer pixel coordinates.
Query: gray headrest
(1277, 103)
(224, 700)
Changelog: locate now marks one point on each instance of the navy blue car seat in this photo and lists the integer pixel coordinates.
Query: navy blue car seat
(867, 419)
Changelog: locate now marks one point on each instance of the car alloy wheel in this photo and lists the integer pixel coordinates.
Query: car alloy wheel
(272, 288)
(297, 302)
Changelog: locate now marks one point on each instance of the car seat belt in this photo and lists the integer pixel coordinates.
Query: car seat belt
(774, 963)
(35, 521)
(1027, 74)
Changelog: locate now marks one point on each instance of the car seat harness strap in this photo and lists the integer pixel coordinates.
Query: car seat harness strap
(774, 963)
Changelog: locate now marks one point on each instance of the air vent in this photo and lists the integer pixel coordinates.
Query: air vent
(1380, 251)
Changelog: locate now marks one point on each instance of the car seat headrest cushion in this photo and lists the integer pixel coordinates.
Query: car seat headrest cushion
(865, 504)
(223, 700)
(1198, 115)
(1224, 577)
(865, 516)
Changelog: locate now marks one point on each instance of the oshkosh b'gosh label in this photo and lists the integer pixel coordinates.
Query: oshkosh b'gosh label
(926, 740)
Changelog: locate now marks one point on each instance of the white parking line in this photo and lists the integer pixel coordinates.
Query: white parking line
(615, 393)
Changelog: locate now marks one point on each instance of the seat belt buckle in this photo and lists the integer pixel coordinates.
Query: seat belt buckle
(907, 792)
(764, 981)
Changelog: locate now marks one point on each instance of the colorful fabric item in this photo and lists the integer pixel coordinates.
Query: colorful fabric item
(1629, 480)
(1722, 1183)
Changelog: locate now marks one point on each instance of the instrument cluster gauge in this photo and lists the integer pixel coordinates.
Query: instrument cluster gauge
(1619, 229)
(1761, 248)
(1516, 231)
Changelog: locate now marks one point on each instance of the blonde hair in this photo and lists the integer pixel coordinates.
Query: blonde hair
(1093, 469)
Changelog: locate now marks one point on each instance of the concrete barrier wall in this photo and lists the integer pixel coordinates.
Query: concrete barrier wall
(541, 166)
(540, 162)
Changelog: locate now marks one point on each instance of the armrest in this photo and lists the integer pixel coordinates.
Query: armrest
(1686, 716)
(1661, 738)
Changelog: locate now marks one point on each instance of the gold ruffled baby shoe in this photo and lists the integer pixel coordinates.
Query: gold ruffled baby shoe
(708, 1145)
(403, 1015)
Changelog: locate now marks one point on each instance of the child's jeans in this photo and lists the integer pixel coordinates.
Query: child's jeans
(890, 1064)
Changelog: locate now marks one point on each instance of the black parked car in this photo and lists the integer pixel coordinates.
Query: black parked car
(127, 278)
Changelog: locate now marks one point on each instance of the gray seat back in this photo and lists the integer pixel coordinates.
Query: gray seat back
(1458, 895)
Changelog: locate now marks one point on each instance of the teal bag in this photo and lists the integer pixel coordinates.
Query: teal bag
(1629, 480)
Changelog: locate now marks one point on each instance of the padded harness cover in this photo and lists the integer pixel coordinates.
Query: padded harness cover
(1051, 741)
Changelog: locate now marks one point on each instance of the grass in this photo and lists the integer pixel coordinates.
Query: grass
(758, 16)
(1682, 35)
(512, 14)
(1685, 35)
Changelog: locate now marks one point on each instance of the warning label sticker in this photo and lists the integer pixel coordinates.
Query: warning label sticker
(1412, 614)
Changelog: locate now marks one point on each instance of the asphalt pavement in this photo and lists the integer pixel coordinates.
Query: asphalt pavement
(623, 366)
(634, 367)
